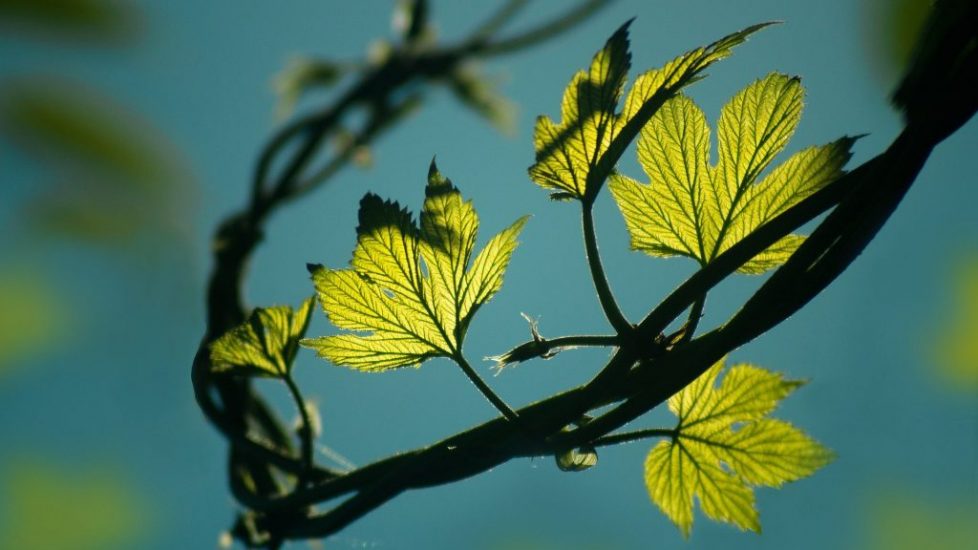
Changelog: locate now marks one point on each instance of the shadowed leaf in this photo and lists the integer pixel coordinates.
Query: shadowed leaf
(568, 153)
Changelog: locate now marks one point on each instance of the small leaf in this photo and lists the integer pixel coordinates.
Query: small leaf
(411, 288)
(725, 445)
(577, 460)
(695, 210)
(568, 154)
(265, 344)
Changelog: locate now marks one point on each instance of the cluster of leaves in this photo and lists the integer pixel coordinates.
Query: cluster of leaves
(412, 289)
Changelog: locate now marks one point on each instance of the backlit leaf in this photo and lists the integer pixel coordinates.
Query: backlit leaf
(725, 445)
(265, 344)
(591, 130)
(695, 210)
(412, 288)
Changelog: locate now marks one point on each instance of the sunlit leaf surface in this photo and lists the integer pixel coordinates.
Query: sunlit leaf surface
(568, 152)
(412, 289)
(693, 209)
(265, 344)
(725, 444)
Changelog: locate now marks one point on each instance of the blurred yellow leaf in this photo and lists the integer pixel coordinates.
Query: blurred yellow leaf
(48, 508)
(957, 344)
(904, 522)
(31, 317)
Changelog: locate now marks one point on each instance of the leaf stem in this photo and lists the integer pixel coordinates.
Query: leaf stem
(626, 437)
(607, 299)
(497, 402)
(305, 431)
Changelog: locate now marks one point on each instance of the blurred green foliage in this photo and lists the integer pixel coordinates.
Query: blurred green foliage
(892, 28)
(905, 522)
(101, 21)
(30, 317)
(110, 174)
(45, 507)
(957, 344)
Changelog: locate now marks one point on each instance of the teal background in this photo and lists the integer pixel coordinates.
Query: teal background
(114, 388)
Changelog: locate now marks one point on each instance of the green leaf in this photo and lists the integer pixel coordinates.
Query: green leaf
(411, 288)
(265, 344)
(695, 210)
(574, 157)
(725, 445)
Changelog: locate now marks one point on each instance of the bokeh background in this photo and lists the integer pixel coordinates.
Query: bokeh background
(128, 129)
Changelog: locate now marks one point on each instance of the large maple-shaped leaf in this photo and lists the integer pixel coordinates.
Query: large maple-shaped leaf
(575, 156)
(725, 444)
(410, 288)
(265, 344)
(693, 209)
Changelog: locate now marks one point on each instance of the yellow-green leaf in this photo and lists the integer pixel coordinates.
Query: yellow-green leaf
(265, 344)
(725, 444)
(574, 156)
(411, 288)
(692, 209)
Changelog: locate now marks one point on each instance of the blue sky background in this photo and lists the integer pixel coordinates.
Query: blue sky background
(111, 390)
